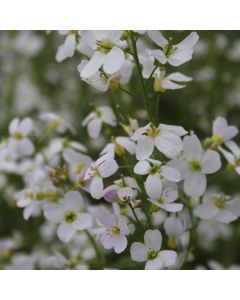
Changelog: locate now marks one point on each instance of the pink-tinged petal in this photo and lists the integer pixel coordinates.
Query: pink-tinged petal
(84, 221)
(153, 186)
(107, 220)
(26, 126)
(108, 168)
(173, 207)
(119, 243)
(219, 125)
(96, 188)
(195, 184)
(169, 195)
(121, 223)
(168, 257)
(138, 252)
(107, 241)
(73, 200)
(153, 240)
(110, 194)
(229, 133)
(14, 126)
(54, 213)
(26, 147)
(66, 232)
(145, 146)
(154, 264)
(125, 194)
(192, 147)
(210, 162)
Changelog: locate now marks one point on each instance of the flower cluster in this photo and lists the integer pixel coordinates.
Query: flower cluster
(148, 187)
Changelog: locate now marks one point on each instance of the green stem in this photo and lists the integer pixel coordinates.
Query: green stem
(98, 252)
(135, 56)
(126, 92)
(136, 217)
(157, 107)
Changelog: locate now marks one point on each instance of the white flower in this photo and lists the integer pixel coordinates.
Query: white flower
(124, 188)
(165, 137)
(67, 49)
(174, 229)
(175, 55)
(68, 214)
(155, 171)
(232, 157)
(118, 146)
(108, 52)
(220, 208)
(19, 143)
(115, 231)
(222, 132)
(95, 119)
(103, 81)
(77, 161)
(56, 122)
(164, 197)
(195, 164)
(150, 252)
(169, 82)
(104, 167)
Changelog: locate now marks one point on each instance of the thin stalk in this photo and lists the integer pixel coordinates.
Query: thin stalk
(135, 56)
(157, 107)
(134, 213)
(126, 92)
(98, 252)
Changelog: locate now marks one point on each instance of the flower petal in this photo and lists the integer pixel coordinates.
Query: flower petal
(153, 240)
(138, 252)
(145, 146)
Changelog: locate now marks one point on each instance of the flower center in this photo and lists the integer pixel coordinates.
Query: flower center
(104, 46)
(95, 171)
(152, 254)
(54, 124)
(153, 131)
(195, 166)
(217, 139)
(219, 201)
(18, 135)
(70, 216)
(169, 49)
(160, 200)
(116, 230)
(154, 169)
